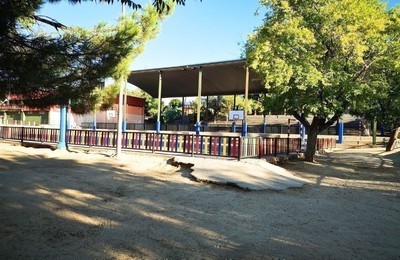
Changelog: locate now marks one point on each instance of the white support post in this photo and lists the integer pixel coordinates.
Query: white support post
(125, 117)
(119, 124)
(158, 126)
(120, 111)
(199, 100)
(246, 102)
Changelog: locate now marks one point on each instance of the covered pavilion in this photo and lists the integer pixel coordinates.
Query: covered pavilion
(206, 79)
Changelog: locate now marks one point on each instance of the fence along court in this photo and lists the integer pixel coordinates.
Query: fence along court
(233, 146)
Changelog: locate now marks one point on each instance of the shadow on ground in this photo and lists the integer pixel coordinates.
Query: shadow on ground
(352, 165)
(98, 209)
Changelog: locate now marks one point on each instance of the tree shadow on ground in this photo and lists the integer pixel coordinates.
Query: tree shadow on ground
(95, 209)
(351, 165)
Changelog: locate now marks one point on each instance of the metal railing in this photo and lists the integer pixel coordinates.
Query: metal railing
(32, 134)
(275, 146)
(218, 144)
(325, 143)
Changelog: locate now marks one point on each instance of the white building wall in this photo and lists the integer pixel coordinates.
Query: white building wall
(54, 117)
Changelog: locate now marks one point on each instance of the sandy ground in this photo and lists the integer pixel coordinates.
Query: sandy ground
(87, 205)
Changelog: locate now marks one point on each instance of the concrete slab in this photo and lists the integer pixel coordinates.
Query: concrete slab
(251, 174)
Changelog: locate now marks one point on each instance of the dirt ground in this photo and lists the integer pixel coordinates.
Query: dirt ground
(88, 205)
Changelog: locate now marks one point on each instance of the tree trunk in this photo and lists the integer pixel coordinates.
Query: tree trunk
(311, 144)
(393, 138)
(317, 125)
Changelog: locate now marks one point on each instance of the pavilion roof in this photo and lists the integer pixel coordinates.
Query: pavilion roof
(218, 78)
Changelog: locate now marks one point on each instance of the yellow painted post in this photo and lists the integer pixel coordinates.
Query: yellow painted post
(158, 126)
(199, 100)
(246, 102)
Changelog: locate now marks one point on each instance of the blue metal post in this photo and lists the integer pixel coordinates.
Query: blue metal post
(198, 128)
(233, 127)
(63, 129)
(158, 126)
(264, 127)
(94, 121)
(302, 132)
(244, 129)
(340, 132)
(124, 126)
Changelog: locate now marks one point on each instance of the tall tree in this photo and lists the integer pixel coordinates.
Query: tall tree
(316, 57)
(173, 111)
(383, 106)
(49, 69)
(175, 103)
(215, 106)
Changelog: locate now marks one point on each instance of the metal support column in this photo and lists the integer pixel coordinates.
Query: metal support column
(118, 149)
(119, 124)
(63, 129)
(158, 124)
(183, 109)
(124, 121)
(94, 128)
(341, 131)
(246, 102)
(199, 100)
(264, 125)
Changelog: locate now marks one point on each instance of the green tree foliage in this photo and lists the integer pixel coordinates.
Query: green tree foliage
(215, 105)
(151, 106)
(50, 69)
(384, 103)
(193, 107)
(175, 103)
(160, 5)
(90, 103)
(170, 115)
(317, 58)
(108, 95)
(173, 111)
(256, 104)
(101, 98)
(230, 104)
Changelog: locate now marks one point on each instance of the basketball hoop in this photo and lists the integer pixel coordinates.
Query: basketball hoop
(236, 115)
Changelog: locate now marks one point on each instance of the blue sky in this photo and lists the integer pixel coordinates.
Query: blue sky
(200, 31)
(206, 31)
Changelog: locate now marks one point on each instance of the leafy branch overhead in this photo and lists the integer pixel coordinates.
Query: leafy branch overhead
(50, 69)
(160, 5)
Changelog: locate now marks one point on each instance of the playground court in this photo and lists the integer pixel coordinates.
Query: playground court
(84, 204)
